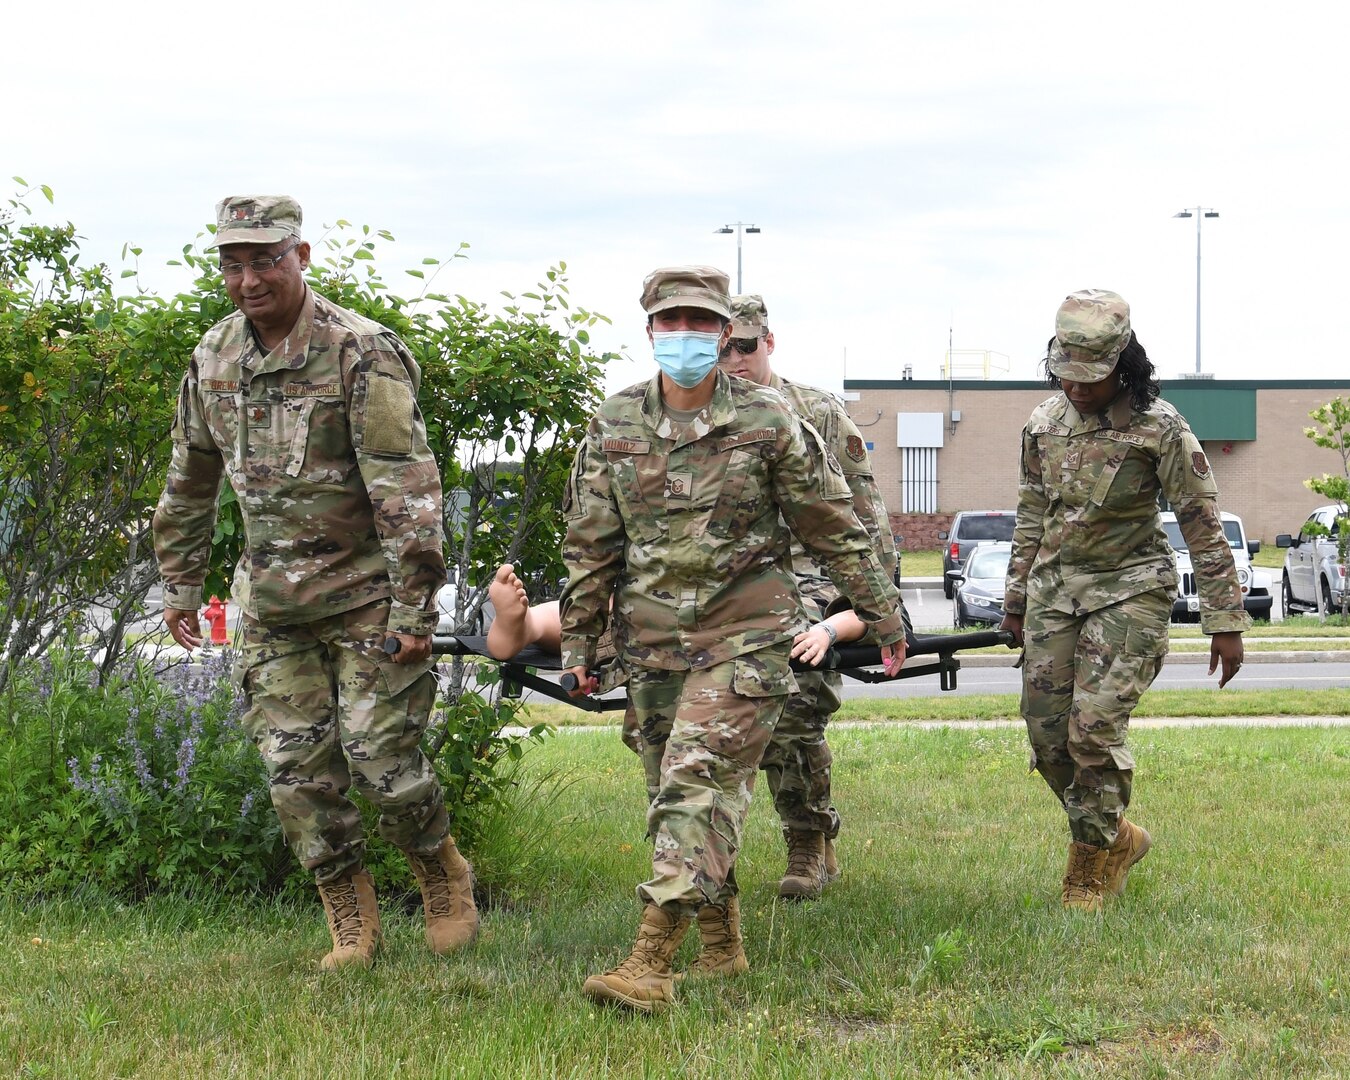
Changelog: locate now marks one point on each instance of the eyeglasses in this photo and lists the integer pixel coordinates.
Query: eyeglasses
(743, 345)
(258, 266)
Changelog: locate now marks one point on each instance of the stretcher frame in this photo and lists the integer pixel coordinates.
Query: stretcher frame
(926, 654)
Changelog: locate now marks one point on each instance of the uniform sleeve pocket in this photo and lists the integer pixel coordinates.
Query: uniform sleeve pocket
(389, 416)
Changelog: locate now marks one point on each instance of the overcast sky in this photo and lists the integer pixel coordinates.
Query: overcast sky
(916, 173)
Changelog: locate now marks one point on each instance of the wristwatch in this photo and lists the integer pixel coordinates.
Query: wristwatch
(830, 632)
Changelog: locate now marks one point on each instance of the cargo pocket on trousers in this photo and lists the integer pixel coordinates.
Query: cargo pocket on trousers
(752, 679)
(1121, 758)
(745, 735)
(251, 720)
(396, 678)
(1145, 646)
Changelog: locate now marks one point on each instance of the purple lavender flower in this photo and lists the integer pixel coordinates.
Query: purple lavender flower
(187, 754)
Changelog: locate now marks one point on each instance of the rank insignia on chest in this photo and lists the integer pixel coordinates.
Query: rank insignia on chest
(1073, 459)
(679, 487)
(257, 415)
(854, 448)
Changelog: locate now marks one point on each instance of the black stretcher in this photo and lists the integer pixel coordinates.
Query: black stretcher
(935, 654)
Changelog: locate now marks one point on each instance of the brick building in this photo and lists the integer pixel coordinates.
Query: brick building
(939, 447)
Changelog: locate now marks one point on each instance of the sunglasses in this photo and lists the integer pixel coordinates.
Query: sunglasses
(743, 345)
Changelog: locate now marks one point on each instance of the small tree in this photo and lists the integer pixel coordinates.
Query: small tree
(1334, 434)
(87, 386)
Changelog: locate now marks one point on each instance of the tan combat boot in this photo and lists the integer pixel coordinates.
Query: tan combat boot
(446, 881)
(831, 862)
(353, 920)
(719, 931)
(1083, 885)
(1132, 844)
(644, 981)
(806, 874)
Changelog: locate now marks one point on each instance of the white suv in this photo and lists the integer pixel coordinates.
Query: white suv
(1311, 565)
(1255, 582)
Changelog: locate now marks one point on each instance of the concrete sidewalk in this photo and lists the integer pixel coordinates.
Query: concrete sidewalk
(978, 725)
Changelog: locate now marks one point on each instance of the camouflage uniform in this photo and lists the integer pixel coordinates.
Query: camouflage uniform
(680, 524)
(325, 448)
(797, 761)
(1093, 574)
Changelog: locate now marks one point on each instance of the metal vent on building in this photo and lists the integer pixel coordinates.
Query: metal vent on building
(919, 437)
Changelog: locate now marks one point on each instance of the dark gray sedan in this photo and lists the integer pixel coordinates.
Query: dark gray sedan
(977, 588)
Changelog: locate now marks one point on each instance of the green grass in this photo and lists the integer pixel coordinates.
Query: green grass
(942, 951)
(1202, 703)
(1270, 557)
(921, 563)
(1298, 627)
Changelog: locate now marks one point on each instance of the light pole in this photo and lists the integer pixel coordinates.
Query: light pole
(736, 227)
(1199, 213)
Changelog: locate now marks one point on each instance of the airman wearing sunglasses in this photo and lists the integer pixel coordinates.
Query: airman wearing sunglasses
(310, 412)
(797, 762)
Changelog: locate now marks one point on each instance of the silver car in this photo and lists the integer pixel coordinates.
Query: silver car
(1312, 565)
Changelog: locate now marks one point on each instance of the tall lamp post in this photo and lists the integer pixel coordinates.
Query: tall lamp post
(1199, 213)
(736, 227)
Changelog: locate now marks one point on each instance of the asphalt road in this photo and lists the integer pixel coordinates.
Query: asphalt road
(1007, 680)
(930, 610)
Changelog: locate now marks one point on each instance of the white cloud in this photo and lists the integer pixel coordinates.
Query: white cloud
(960, 167)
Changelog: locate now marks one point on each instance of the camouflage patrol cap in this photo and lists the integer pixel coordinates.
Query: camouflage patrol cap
(687, 286)
(255, 219)
(749, 316)
(1092, 326)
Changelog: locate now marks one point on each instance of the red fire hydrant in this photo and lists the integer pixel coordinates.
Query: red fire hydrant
(215, 615)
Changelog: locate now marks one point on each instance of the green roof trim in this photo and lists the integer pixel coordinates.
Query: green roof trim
(1214, 412)
(979, 385)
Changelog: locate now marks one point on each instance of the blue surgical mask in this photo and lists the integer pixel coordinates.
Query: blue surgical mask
(686, 355)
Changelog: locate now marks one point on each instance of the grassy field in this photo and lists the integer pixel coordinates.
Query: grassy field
(953, 707)
(942, 951)
(921, 563)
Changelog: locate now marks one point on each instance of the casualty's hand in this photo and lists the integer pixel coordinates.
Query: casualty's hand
(411, 648)
(1013, 624)
(586, 683)
(893, 657)
(184, 626)
(813, 645)
(1225, 648)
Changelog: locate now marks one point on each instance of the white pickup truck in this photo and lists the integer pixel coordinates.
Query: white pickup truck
(1255, 582)
(1312, 564)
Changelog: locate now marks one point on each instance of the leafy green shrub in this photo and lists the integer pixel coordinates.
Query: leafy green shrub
(140, 783)
(145, 781)
(92, 753)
